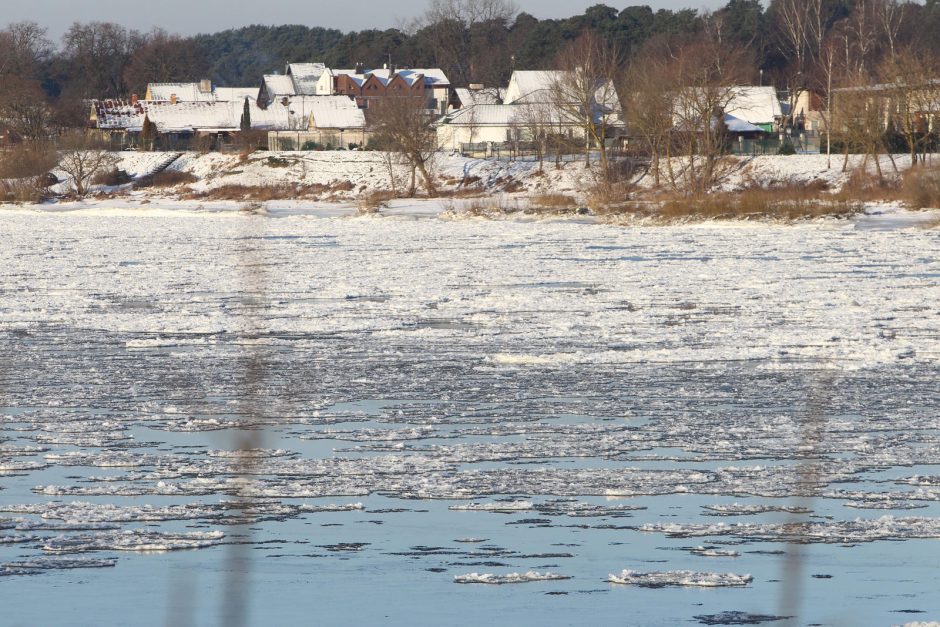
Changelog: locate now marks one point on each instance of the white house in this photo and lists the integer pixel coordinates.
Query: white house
(331, 120)
(495, 123)
(530, 105)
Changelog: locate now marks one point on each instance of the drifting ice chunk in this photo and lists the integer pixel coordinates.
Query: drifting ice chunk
(489, 578)
(711, 552)
(683, 578)
(38, 564)
(738, 618)
(135, 540)
(508, 506)
(351, 507)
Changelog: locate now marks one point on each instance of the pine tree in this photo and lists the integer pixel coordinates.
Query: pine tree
(148, 134)
(246, 117)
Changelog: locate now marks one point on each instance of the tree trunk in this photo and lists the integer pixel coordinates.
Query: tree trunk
(655, 165)
(428, 181)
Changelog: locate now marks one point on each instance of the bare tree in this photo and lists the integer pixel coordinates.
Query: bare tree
(911, 96)
(81, 158)
(97, 54)
(828, 71)
(705, 71)
(401, 125)
(23, 105)
(859, 120)
(163, 58)
(862, 35)
(532, 123)
(24, 48)
(801, 29)
(890, 17)
(468, 37)
(584, 91)
(648, 96)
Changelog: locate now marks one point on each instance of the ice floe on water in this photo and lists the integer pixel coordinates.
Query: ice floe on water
(743, 509)
(499, 507)
(527, 577)
(38, 565)
(738, 618)
(703, 551)
(680, 578)
(847, 531)
(582, 393)
(140, 540)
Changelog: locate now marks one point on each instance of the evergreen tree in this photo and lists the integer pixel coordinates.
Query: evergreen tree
(148, 134)
(246, 117)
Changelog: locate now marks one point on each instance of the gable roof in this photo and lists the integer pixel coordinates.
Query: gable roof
(531, 85)
(432, 77)
(336, 112)
(304, 77)
(757, 105)
(188, 92)
(518, 114)
(188, 117)
(235, 94)
(278, 85)
(191, 92)
(470, 97)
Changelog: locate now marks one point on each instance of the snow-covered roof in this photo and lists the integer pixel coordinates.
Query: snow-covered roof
(470, 97)
(513, 114)
(305, 76)
(335, 112)
(235, 94)
(737, 125)
(193, 92)
(529, 84)
(757, 105)
(188, 92)
(187, 117)
(118, 114)
(279, 85)
(537, 86)
(432, 77)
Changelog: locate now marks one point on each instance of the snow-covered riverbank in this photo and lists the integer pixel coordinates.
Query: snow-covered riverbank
(350, 175)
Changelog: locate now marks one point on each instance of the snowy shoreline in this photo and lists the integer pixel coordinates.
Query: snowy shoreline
(336, 184)
(885, 215)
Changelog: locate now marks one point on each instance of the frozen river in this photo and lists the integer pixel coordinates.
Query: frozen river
(745, 419)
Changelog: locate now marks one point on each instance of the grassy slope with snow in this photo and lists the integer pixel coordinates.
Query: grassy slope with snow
(368, 172)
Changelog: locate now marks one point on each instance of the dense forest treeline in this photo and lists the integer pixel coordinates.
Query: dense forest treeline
(472, 40)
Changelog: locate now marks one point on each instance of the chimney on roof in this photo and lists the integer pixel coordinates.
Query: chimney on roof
(205, 86)
(475, 87)
(172, 98)
(134, 99)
